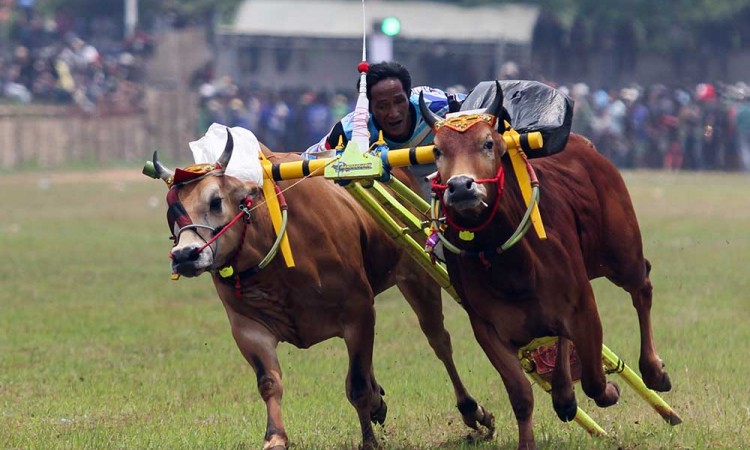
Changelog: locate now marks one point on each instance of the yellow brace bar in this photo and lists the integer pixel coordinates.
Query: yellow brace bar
(519, 167)
(274, 209)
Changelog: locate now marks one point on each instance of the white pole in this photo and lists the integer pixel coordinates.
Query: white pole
(131, 17)
(360, 131)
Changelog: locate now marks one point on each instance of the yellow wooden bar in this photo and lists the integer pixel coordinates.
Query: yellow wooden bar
(396, 158)
(518, 160)
(406, 194)
(614, 364)
(582, 419)
(292, 170)
(274, 209)
(399, 234)
(396, 209)
(401, 157)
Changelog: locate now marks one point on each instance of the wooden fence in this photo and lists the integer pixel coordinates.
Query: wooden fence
(51, 136)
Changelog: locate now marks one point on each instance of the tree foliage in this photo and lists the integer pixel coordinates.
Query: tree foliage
(655, 20)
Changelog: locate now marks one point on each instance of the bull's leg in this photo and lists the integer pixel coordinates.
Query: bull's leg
(651, 366)
(563, 396)
(361, 388)
(424, 299)
(504, 358)
(258, 346)
(586, 334)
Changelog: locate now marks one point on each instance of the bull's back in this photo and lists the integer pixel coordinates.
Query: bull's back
(598, 207)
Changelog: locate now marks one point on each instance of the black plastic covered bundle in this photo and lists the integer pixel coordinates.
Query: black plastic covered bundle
(530, 106)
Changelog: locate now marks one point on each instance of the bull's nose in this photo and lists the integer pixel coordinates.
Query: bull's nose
(185, 254)
(461, 188)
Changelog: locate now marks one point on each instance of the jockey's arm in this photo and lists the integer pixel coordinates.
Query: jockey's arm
(331, 140)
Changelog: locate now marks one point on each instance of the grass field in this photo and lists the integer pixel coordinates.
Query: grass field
(99, 349)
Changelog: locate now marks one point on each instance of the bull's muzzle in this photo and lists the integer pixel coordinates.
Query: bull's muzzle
(189, 261)
(464, 194)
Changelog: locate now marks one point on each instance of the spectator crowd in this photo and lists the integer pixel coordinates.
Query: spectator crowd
(702, 127)
(47, 60)
(288, 120)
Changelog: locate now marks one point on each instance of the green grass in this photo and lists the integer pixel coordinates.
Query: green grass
(98, 349)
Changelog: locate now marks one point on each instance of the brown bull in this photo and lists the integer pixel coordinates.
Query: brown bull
(343, 259)
(541, 287)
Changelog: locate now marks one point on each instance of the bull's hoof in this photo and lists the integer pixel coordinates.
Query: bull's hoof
(610, 396)
(567, 411)
(527, 445)
(276, 442)
(664, 384)
(480, 417)
(658, 380)
(370, 445)
(378, 416)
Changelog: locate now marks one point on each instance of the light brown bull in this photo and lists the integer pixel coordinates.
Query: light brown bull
(541, 287)
(343, 259)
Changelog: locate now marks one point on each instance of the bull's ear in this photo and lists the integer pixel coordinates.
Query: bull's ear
(226, 155)
(429, 117)
(496, 106)
(249, 189)
(253, 190)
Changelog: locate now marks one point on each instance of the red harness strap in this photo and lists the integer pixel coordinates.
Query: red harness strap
(247, 203)
(499, 179)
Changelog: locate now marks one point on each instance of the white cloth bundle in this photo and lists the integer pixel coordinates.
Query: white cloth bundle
(244, 163)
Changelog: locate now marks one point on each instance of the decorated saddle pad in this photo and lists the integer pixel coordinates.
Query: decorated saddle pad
(531, 106)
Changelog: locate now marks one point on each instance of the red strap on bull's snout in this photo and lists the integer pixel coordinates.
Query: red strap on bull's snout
(499, 180)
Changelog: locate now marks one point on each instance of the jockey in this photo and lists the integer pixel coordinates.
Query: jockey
(394, 109)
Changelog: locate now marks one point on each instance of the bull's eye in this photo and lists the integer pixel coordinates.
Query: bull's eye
(488, 145)
(215, 205)
(436, 152)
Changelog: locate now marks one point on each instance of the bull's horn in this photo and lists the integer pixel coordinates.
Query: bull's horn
(496, 107)
(226, 155)
(429, 117)
(161, 171)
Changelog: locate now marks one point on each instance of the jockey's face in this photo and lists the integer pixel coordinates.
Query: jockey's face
(390, 106)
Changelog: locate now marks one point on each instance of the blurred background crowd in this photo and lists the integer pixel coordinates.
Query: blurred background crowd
(699, 127)
(62, 60)
(57, 57)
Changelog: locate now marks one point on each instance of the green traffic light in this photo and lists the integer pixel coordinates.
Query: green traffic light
(390, 26)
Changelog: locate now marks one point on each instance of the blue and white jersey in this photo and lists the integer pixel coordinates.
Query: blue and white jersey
(438, 101)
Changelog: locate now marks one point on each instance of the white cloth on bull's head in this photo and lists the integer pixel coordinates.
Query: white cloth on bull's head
(244, 163)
